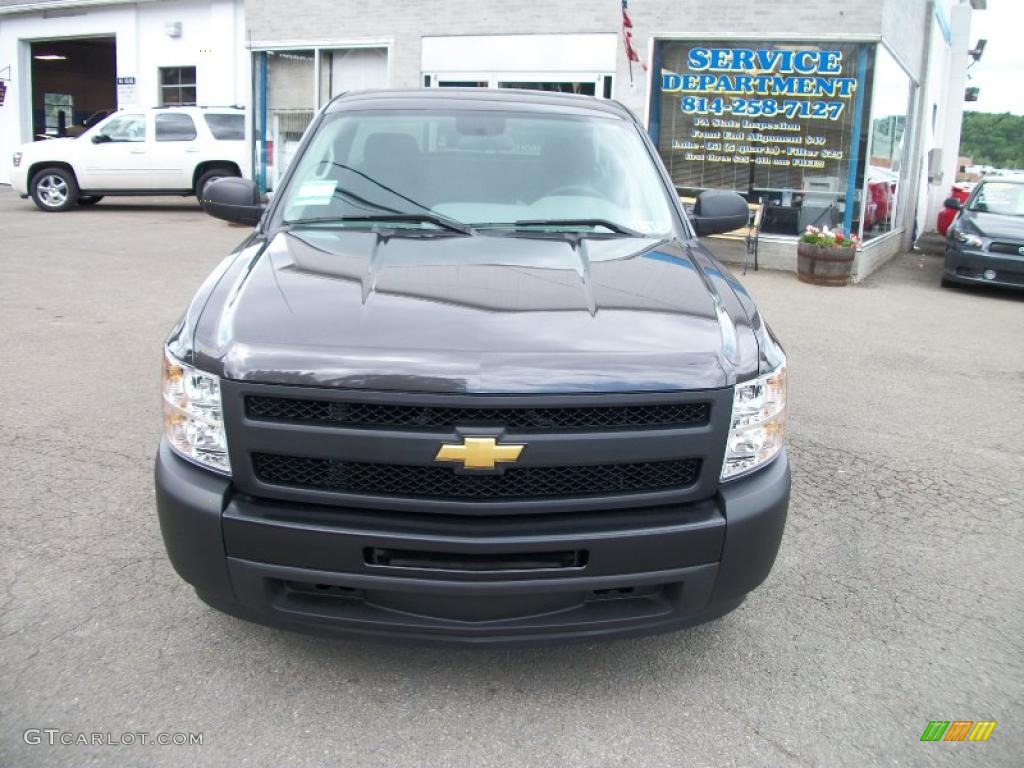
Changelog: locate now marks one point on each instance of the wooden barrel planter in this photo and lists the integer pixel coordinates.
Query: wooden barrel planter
(824, 265)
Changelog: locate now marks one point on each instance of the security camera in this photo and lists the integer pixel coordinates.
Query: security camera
(975, 53)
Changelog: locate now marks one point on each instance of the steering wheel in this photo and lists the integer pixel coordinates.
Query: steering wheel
(574, 189)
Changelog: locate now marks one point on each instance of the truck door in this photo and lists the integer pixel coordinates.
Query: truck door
(116, 155)
(175, 151)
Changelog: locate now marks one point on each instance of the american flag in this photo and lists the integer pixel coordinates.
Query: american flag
(627, 37)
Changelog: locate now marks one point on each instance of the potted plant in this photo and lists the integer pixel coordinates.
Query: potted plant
(825, 256)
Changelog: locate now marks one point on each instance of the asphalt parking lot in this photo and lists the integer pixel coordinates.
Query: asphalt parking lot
(896, 599)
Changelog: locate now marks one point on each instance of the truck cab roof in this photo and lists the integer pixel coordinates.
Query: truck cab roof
(478, 98)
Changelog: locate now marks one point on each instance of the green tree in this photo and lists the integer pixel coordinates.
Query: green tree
(995, 139)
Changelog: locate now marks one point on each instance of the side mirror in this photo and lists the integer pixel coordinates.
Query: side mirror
(100, 138)
(232, 199)
(719, 211)
(953, 203)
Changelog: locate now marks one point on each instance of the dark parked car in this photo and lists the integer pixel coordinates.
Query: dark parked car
(473, 378)
(985, 244)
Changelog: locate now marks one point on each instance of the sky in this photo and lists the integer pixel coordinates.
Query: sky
(1000, 72)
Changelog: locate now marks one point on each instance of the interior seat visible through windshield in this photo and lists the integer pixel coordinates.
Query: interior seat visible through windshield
(481, 168)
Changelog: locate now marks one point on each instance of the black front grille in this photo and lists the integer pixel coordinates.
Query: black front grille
(555, 418)
(1013, 248)
(444, 482)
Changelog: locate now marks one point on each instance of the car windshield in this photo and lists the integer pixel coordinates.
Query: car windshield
(500, 171)
(1001, 197)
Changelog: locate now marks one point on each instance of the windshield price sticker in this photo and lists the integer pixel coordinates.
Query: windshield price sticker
(315, 193)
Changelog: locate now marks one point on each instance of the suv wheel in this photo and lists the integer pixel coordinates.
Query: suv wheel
(210, 175)
(54, 189)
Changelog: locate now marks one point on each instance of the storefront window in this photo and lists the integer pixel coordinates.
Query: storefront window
(586, 89)
(291, 85)
(890, 104)
(774, 122)
(352, 69)
(289, 93)
(594, 85)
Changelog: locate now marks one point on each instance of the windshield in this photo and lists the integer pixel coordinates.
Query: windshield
(489, 170)
(1001, 197)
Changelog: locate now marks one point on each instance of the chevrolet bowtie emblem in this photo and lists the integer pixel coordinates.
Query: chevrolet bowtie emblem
(479, 452)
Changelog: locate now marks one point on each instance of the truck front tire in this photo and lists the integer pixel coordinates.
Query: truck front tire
(54, 189)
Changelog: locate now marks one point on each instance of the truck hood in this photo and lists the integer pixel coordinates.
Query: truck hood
(481, 314)
(49, 147)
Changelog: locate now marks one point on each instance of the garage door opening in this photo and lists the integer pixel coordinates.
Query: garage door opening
(74, 85)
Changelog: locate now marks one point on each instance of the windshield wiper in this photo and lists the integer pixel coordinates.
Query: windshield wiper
(611, 226)
(380, 184)
(430, 218)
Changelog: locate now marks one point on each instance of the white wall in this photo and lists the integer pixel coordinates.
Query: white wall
(943, 108)
(212, 40)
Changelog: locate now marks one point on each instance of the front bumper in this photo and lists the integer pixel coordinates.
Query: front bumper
(18, 176)
(317, 569)
(968, 265)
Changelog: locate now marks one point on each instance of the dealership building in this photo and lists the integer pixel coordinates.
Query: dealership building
(843, 113)
(64, 63)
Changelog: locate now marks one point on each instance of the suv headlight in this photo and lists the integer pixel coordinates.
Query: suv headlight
(758, 423)
(192, 415)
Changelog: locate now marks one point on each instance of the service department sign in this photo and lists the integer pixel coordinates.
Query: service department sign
(762, 116)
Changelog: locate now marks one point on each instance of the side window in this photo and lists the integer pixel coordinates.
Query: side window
(175, 127)
(125, 128)
(226, 127)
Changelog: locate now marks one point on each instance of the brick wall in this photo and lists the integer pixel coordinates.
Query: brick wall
(407, 21)
(905, 27)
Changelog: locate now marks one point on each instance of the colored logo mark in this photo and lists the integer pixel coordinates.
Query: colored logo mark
(958, 730)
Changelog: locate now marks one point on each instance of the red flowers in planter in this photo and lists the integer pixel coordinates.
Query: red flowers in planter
(825, 237)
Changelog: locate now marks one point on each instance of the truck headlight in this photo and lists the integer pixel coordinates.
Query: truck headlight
(758, 423)
(192, 415)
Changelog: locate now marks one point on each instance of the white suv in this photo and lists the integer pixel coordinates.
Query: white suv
(159, 151)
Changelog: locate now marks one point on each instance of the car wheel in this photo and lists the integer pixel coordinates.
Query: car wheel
(54, 189)
(210, 175)
(89, 199)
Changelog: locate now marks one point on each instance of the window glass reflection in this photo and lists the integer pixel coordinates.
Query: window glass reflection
(890, 102)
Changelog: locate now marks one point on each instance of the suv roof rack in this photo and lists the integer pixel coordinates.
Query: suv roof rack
(200, 106)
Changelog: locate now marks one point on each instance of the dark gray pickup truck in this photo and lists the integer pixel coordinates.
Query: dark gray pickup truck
(473, 378)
